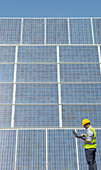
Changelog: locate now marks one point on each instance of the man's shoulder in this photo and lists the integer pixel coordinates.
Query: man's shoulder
(90, 131)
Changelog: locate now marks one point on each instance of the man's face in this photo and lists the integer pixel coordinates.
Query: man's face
(85, 126)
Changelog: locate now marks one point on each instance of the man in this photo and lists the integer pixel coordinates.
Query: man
(90, 144)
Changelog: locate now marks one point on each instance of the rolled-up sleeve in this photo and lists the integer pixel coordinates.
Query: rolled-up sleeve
(89, 135)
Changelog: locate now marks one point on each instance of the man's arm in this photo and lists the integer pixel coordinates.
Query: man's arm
(85, 140)
(89, 135)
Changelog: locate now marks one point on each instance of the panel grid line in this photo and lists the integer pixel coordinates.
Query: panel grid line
(46, 151)
(77, 152)
(16, 145)
(48, 128)
(92, 30)
(68, 32)
(14, 87)
(54, 104)
(21, 31)
(45, 31)
(50, 82)
(50, 18)
(99, 54)
(34, 45)
(59, 88)
(35, 63)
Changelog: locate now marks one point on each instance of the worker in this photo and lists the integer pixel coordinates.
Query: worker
(90, 144)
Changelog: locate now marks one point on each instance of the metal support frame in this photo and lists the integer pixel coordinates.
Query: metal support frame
(68, 31)
(46, 151)
(14, 87)
(16, 148)
(99, 54)
(50, 128)
(77, 152)
(92, 31)
(59, 88)
(21, 31)
(46, 45)
(45, 31)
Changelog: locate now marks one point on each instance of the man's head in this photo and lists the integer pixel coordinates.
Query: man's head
(86, 123)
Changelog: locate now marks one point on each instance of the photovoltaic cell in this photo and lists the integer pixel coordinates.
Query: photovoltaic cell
(7, 54)
(6, 93)
(6, 73)
(79, 54)
(61, 150)
(36, 116)
(36, 93)
(31, 150)
(36, 73)
(57, 31)
(80, 73)
(97, 30)
(33, 31)
(37, 54)
(81, 93)
(80, 31)
(10, 30)
(5, 116)
(7, 149)
(72, 115)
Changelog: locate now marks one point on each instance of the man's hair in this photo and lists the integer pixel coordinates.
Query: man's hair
(88, 123)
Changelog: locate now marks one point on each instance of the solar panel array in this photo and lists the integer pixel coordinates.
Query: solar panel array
(50, 79)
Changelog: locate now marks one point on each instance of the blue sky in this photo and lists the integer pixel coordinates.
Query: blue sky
(50, 8)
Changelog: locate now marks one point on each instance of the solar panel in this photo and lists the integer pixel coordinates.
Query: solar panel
(5, 116)
(7, 54)
(97, 30)
(72, 115)
(80, 93)
(37, 116)
(7, 149)
(36, 93)
(61, 150)
(37, 73)
(6, 73)
(98, 134)
(80, 31)
(33, 31)
(10, 31)
(79, 54)
(31, 149)
(6, 93)
(80, 73)
(57, 31)
(38, 54)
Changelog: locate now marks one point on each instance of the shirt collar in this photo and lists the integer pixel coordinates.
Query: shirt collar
(89, 128)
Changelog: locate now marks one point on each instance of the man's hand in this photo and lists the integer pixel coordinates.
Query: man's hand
(83, 135)
(79, 137)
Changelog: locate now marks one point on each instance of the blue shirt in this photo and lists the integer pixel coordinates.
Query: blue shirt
(89, 134)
